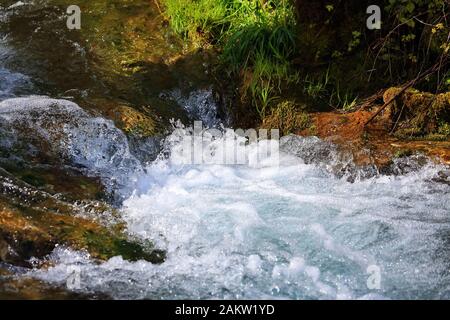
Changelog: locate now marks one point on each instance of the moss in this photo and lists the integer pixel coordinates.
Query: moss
(134, 251)
(436, 137)
(444, 129)
(419, 114)
(24, 288)
(54, 180)
(288, 118)
(33, 233)
(134, 122)
(312, 130)
(107, 247)
(33, 180)
(402, 153)
(33, 226)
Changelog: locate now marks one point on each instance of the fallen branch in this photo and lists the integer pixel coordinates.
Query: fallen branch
(408, 85)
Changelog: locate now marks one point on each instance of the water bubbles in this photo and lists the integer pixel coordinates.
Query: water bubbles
(65, 132)
(291, 230)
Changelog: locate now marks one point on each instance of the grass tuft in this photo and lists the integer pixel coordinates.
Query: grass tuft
(256, 38)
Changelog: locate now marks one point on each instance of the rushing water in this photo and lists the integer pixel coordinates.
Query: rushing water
(292, 229)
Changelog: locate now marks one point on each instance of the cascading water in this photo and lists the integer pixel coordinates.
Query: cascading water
(294, 229)
(289, 231)
(92, 144)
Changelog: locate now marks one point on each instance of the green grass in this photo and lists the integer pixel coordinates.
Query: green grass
(255, 37)
(316, 89)
(188, 16)
(345, 101)
(324, 89)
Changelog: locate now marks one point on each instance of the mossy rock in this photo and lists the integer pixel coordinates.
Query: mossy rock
(288, 118)
(27, 233)
(25, 288)
(33, 222)
(403, 153)
(415, 113)
(67, 183)
(133, 122)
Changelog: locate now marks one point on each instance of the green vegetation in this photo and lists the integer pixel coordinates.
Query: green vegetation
(314, 51)
(288, 117)
(417, 114)
(256, 39)
(403, 153)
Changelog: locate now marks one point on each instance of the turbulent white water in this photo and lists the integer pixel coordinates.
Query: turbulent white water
(255, 230)
(70, 135)
(291, 231)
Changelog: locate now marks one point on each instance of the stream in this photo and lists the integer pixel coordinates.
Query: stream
(285, 229)
(292, 231)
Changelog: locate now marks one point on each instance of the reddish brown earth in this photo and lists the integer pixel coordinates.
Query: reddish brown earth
(374, 143)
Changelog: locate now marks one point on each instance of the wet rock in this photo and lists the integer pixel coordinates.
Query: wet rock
(442, 177)
(4, 250)
(33, 223)
(309, 149)
(67, 183)
(341, 164)
(201, 105)
(405, 164)
(327, 155)
(14, 287)
(29, 232)
(59, 132)
(373, 145)
(128, 55)
(133, 122)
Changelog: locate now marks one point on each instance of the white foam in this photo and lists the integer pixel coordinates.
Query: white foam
(93, 143)
(291, 231)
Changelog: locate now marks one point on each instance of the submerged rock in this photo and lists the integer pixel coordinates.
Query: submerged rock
(33, 223)
(13, 287)
(340, 163)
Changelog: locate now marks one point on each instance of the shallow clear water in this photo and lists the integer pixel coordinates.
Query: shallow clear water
(292, 231)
